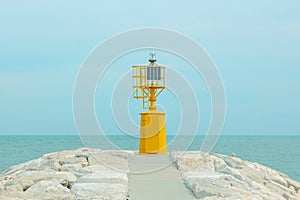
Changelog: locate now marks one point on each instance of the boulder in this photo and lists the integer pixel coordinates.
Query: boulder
(100, 191)
(193, 161)
(36, 196)
(54, 175)
(93, 168)
(216, 176)
(109, 160)
(234, 162)
(71, 167)
(50, 164)
(96, 174)
(12, 187)
(28, 178)
(14, 195)
(276, 178)
(73, 160)
(66, 153)
(104, 176)
(17, 169)
(48, 187)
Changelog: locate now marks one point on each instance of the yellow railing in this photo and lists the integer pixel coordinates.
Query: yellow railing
(147, 89)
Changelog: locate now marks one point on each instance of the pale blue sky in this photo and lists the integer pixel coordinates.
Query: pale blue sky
(255, 45)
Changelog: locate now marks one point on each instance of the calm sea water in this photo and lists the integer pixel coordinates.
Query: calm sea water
(278, 152)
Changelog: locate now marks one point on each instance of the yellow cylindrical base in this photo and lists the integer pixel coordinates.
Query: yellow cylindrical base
(153, 137)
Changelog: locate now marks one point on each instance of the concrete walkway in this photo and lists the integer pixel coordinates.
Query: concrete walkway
(162, 184)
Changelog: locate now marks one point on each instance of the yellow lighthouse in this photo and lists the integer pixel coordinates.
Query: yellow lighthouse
(148, 82)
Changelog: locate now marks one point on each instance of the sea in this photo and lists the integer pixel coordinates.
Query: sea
(281, 153)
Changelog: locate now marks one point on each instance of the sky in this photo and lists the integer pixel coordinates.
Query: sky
(254, 44)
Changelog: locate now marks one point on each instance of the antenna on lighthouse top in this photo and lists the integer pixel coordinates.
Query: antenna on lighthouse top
(152, 58)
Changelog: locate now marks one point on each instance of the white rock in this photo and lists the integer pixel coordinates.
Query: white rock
(233, 162)
(100, 191)
(63, 154)
(36, 196)
(231, 178)
(73, 160)
(50, 164)
(12, 187)
(277, 178)
(104, 176)
(93, 168)
(193, 161)
(29, 178)
(52, 196)
(16, 169)
(71, 167)
(293, 184)
(47, 187)
(13, 196)
(205, 184)
(51, 176)
(105, 158)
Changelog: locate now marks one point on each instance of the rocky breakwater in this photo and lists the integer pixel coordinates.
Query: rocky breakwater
(67, 175)
(215, 176)
(96, 174)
